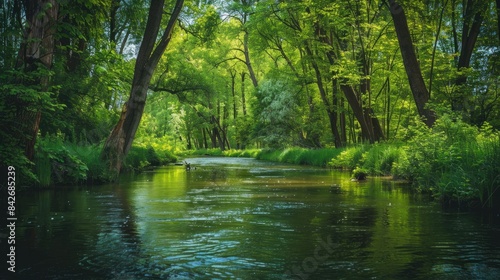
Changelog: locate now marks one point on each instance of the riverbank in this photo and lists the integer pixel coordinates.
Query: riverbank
(293, 155)
(60, 162)
(457, 163)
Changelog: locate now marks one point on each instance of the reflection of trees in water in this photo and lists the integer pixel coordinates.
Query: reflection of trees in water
(216, 176)
(117, 253)
(117, 257)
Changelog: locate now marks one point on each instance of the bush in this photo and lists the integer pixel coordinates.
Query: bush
(252, 153)
(98, 170)
(205, 152)
(55, 164)
(453, 160)
(390, 155)
(11, 154)
(140, 157)
(269, 154)
(59, 162)
(315, 157)
(349, 159)
(359, 173)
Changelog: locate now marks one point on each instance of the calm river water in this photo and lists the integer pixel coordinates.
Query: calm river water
(237, 218)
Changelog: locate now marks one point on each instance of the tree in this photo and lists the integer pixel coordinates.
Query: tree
(412, 67)
(37, 50)
(120, 140)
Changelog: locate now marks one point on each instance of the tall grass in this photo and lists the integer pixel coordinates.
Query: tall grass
(488, 179)
(204, 152)
(316, 157)
(97, 168)
(349, 158)
(58, 162)
(242, 153)
(140, 157)
(43, 169)
(456, 162)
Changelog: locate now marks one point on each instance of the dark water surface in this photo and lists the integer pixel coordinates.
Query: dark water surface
(246, 219)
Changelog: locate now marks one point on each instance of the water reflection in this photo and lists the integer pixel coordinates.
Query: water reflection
(246, 219)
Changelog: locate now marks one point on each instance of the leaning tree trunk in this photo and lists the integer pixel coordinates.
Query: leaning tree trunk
(471, 27)
(120, 140)
(36, 51)
(417, 85)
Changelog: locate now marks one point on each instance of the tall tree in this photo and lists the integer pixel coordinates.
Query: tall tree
(120, 140)
(412, 67)
(473, 15)
(37, 50)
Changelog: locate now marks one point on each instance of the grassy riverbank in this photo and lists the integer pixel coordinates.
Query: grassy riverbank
(455, 162)
(60, 162)
(294, 155)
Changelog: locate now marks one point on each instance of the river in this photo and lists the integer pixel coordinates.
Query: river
(240, 218)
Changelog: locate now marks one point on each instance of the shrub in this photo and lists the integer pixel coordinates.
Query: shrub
(91, 155)
(315, 157)
(55, 164)
(269, 154)
(390, 155)
(241, 153)
(455, 161)
(349, 158)
(359, 173)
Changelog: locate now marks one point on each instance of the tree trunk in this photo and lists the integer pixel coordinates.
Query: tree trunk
(205, 142)
(472, 21)
(233, 93)
(243, 98)
(417, 85)
(332, 115)
(36, 50)
(343, 132)
(115, 5)
(120, 140)
(247, 60)
(359, 113)
(498, 20)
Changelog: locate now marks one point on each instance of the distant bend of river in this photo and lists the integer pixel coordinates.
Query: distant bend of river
(240, 218)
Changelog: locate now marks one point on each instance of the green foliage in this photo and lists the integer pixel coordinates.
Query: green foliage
(98, 172)
(453, 160)
(59, 162)
(359, 173)
(206, 152)
(277, 113)
(55, 164)
(379, 158)
(141, 157)
(349, 158)
(252, 153)
(11, 154)
(21, 97)
(315, 157)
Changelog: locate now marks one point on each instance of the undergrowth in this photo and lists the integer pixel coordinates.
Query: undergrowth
(456, 162)
(60, 162)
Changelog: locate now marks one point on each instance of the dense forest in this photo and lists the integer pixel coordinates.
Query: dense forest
(407, 88)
